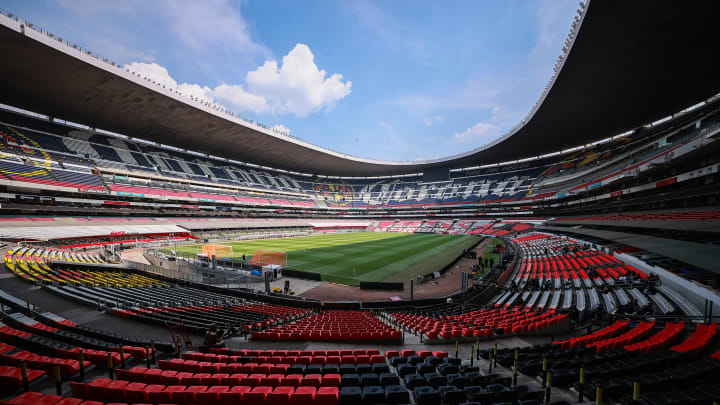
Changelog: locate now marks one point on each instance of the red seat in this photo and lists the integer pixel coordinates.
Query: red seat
(145, 393)
(189, 395)
(292, 380)
(252, 380)
(271, 380)
(303, 396)
(331, 380)
(327, 396)
(95, 388)
(114, 391)
(311, 380)
(234, 395)
(165, 396)
(233, 379)
(79, 390)
(211, 396)
(279, 369)
(280, 396)
(28, 398)
(197, 379)
(69, 401)
(185, 377)
(392, 353)
(48, 400)
(167, 377)
(244, 368)
(134, 392)
(257, 396)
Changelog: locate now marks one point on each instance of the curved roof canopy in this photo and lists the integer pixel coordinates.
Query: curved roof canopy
(630, 63)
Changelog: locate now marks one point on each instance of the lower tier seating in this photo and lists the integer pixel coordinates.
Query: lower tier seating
(333, 325)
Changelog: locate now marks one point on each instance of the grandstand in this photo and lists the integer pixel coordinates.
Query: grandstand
(588, 254)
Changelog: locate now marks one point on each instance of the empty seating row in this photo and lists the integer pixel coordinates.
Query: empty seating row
(270, 376)
(220, 354)
(331, 326)
(480, 323)
(134, 392)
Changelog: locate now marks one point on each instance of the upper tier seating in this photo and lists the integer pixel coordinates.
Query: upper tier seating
(49, 176)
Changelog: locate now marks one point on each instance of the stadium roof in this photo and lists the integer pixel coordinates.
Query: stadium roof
(630, 63)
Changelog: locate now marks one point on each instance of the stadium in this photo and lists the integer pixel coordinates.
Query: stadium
(574, 259)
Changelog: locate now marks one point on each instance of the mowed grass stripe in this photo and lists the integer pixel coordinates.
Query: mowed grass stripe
(379, 260)
(364, 257)
(392, 272)
(294, 244)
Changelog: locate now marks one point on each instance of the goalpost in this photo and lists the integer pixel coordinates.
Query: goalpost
(264, 257)
(219, 251)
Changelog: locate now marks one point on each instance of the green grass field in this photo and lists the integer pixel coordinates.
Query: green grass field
(350, 258)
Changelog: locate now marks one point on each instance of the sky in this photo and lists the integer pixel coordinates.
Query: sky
(389, 80)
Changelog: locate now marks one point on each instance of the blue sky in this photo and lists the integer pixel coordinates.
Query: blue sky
(393, 80)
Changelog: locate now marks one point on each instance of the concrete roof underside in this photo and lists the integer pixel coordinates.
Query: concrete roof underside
(631, 63)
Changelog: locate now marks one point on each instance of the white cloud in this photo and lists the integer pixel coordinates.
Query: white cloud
(282, 128)
(154, 72)
(385, 125)
(197, 91)
(480, 133)
(432, 120)
(297, 87)
(235, 95)
(210, 24)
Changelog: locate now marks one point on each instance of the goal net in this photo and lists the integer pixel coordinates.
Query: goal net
(220, 251)
(265, 257)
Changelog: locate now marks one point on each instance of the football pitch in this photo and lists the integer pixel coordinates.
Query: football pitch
(350, 258)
